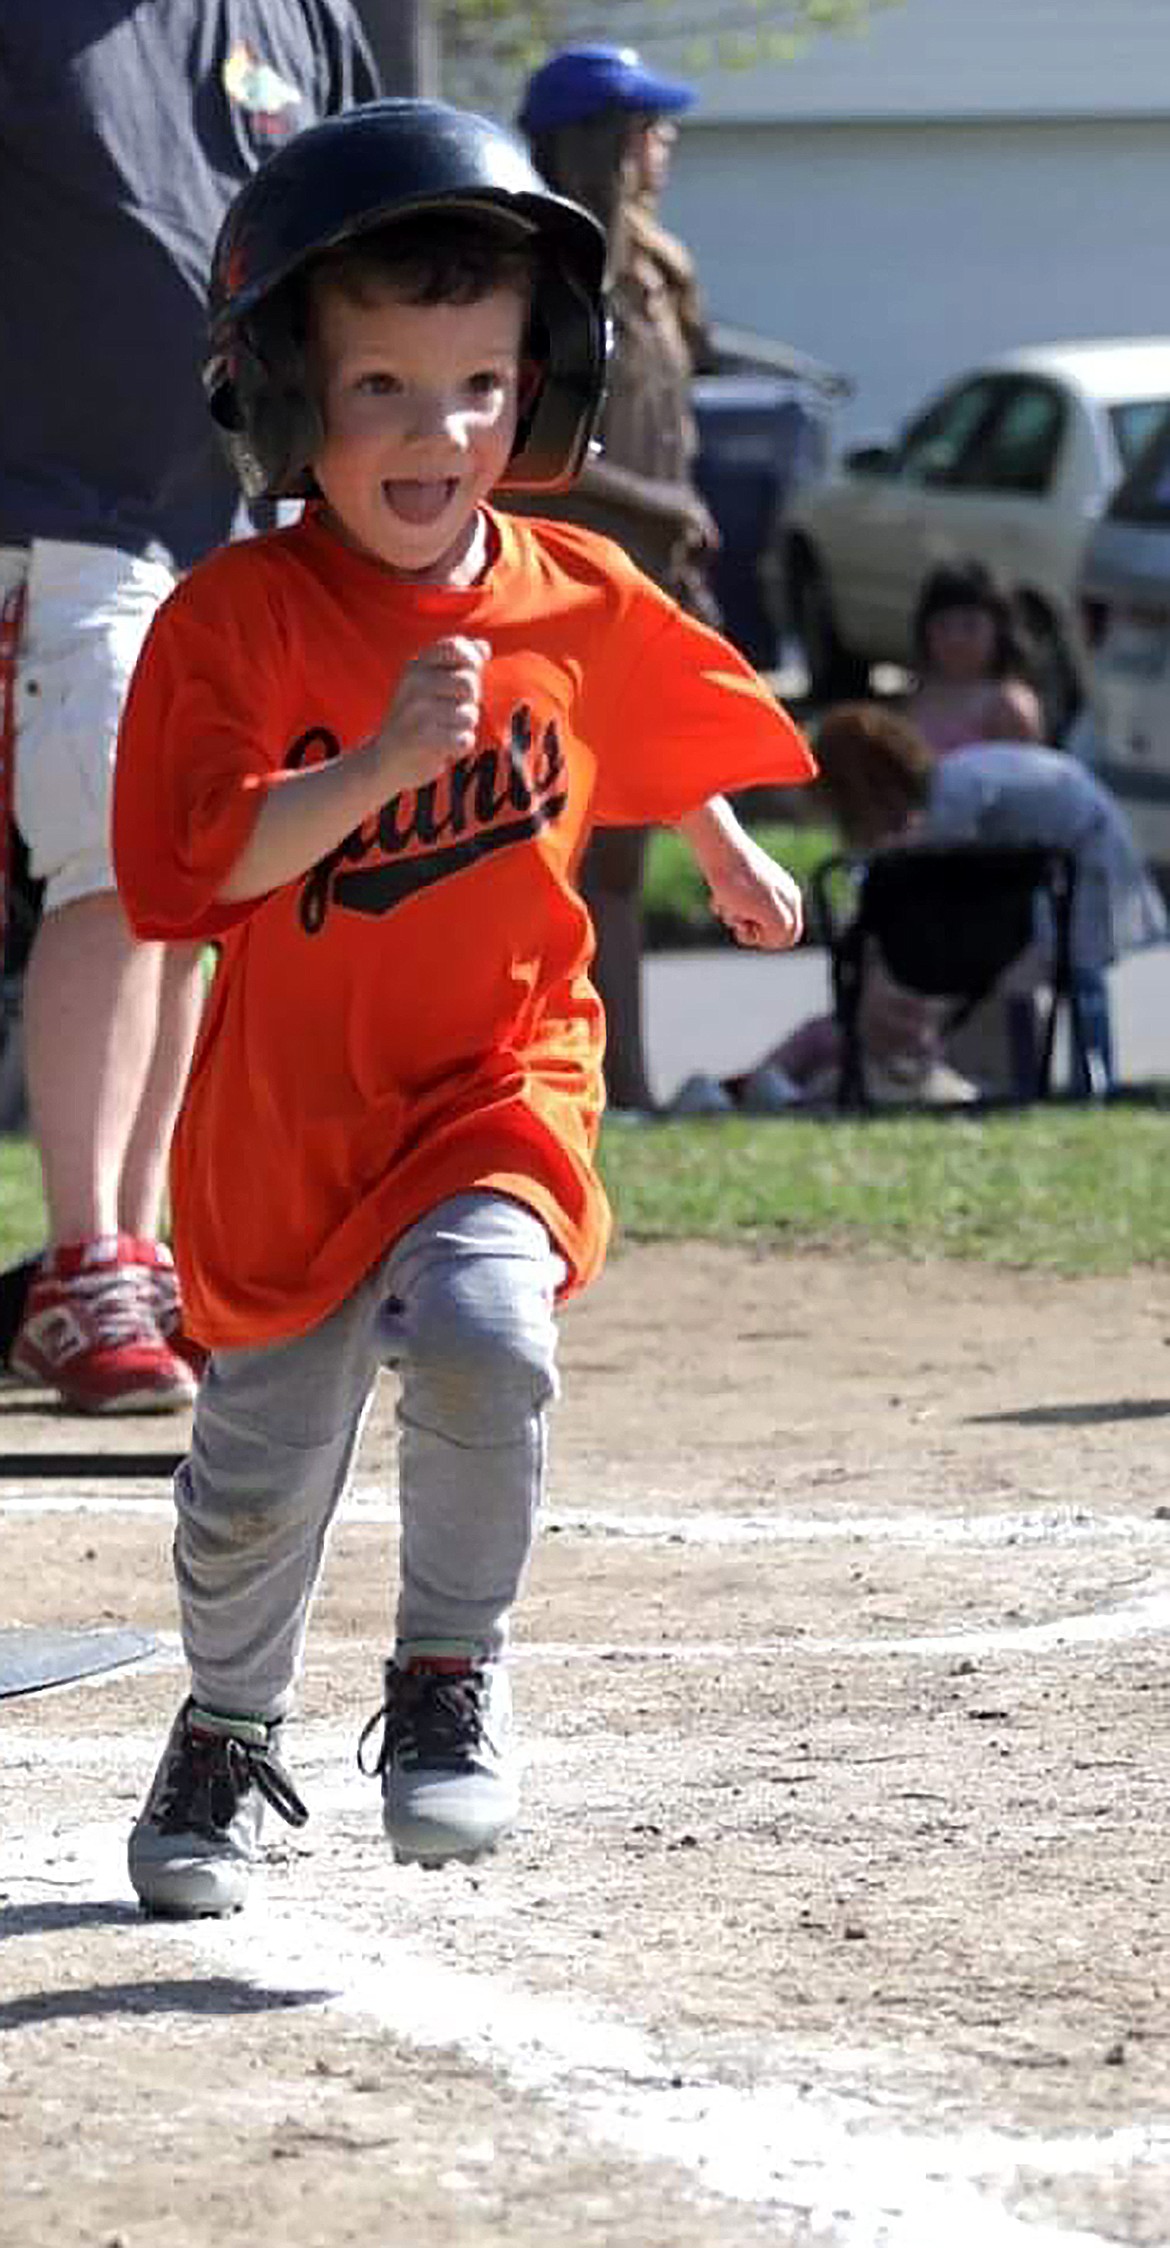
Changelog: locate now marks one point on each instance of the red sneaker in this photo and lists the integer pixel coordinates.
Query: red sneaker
(89, 1331)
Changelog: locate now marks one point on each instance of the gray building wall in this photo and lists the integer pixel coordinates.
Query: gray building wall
(901, 253)
(931, 59)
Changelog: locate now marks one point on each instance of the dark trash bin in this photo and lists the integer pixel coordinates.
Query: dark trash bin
(760, 435)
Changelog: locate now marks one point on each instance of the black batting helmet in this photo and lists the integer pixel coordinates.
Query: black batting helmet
(384, 162)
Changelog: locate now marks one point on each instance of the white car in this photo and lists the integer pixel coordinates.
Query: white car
(1008, 465)
(1124, 729)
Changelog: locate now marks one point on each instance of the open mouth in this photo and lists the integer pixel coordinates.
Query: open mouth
(421, 500)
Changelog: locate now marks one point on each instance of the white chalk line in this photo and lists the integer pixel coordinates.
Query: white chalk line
(1145, 1616)
(1051, 1528)
(826, 2157)
(1045, 1526)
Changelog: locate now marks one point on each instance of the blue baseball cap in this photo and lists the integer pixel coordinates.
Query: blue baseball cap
(579, 82)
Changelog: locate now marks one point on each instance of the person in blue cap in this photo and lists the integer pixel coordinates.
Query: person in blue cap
(577, 82)
(601, 124)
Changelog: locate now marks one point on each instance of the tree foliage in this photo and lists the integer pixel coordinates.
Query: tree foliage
(499, 35)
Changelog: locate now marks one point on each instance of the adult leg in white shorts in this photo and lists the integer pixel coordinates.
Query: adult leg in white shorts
(109, 1023)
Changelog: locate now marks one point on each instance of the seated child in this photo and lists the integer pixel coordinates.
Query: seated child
(883, 785)
(972, 673)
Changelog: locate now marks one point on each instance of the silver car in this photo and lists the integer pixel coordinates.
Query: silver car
(1124, 730)
(1008, 465)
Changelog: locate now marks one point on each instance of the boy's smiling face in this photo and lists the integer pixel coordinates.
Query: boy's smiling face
(419, 404)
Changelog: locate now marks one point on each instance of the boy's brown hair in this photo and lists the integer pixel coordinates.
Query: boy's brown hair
(875, 772)
(453, 257)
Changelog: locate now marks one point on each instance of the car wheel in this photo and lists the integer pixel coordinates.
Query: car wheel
(833, 669)
(1052, 669)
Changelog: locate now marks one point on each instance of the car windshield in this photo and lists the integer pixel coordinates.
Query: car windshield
(1143, 496)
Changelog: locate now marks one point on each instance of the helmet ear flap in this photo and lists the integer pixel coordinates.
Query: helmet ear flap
(261, 399)
(562, 385)
(533, 371)
(225, 392)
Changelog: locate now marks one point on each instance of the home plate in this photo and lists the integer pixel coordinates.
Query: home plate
(40, 1655)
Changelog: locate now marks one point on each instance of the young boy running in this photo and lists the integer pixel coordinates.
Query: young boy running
(363, 756)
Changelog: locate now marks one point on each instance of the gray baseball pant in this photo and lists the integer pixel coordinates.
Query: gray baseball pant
(462, 1305)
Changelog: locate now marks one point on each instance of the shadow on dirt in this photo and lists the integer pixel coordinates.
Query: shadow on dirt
(50, 1918)
(1089, 1415)
(106, 1467)
(194, 1994)
(213, 1994)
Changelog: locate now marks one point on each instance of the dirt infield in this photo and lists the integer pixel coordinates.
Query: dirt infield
(838, 1910)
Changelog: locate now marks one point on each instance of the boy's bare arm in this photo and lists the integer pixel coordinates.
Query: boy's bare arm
(433, 718)
(757, 899)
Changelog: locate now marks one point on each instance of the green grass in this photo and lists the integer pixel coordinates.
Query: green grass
(22, 1210)
(1062, 1189)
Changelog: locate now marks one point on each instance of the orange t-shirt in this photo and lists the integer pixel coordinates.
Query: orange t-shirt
(413, 1018)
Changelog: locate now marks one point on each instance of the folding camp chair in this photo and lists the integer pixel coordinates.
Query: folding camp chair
(948, 921)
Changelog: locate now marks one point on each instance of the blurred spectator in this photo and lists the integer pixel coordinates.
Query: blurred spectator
(883, 785)
(971, 667)
(126, 127)
(600, 125)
